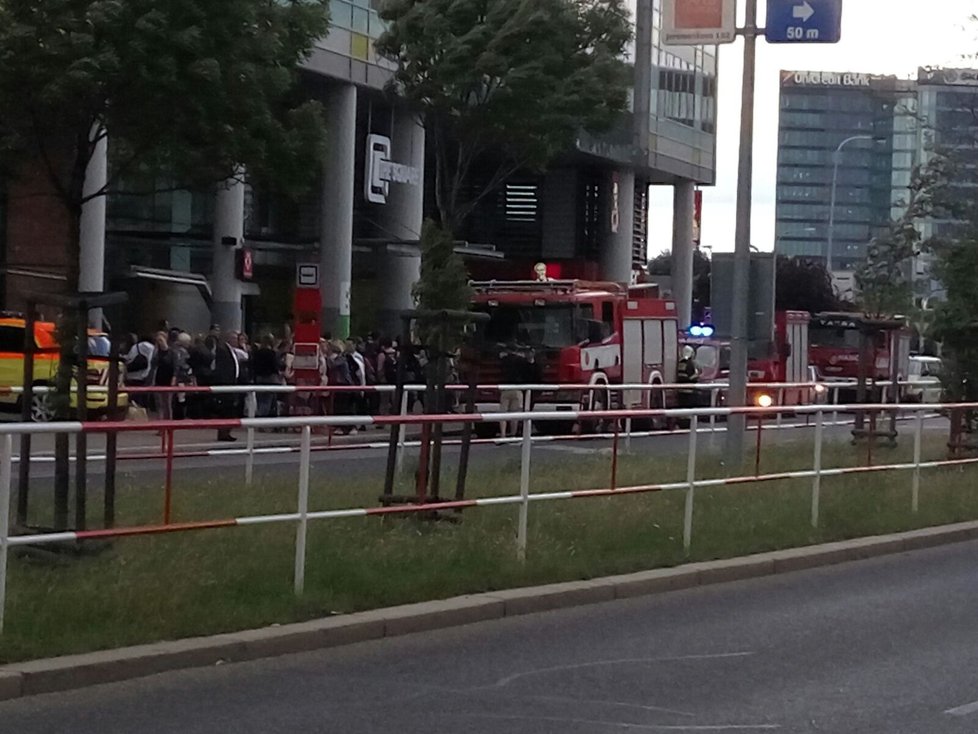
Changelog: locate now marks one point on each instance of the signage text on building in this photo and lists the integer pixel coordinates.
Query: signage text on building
(382, 171)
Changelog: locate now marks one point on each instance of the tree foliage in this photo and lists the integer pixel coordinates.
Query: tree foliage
(510, 83)
(198, 87)
(804, 285)
(443, 286)
(885, 279)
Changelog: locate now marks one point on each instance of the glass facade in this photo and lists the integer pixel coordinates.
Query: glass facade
(818, 112)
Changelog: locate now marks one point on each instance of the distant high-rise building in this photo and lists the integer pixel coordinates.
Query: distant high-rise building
(841, 126)
(869, 132)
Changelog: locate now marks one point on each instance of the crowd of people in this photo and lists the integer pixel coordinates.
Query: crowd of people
(174, 358)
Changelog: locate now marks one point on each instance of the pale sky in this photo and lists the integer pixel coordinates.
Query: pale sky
(878, 36)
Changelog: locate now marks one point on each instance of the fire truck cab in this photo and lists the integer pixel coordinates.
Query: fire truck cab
(581, 333)
(837, 344)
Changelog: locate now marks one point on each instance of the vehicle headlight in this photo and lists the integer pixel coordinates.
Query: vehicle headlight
(764, 400)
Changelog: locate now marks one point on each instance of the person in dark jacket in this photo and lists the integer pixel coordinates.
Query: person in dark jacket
(227, 371)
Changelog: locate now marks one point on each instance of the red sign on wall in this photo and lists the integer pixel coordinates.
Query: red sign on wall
(246, 263)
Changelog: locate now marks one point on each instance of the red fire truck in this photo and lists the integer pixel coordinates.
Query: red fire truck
(582, 333)
(836, 342)
(786, 360)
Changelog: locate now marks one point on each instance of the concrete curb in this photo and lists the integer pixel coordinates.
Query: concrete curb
(78, 671)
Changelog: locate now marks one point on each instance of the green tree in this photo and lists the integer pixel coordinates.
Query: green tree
(507, 83)
(804, 285)
(885, 279)
(197, 88)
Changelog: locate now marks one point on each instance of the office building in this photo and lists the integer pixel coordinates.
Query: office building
(856, 129)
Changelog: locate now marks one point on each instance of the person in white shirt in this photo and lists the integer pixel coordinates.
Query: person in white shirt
(139, 367)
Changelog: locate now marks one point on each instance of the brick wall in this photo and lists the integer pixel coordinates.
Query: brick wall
(37, 238)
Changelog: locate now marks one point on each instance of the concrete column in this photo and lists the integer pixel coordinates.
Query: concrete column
(616, 254)
(336, 226)
(228, 226)
(398, 270)
(642, 91)
(91, 255)
(401, 217)
(683, 206)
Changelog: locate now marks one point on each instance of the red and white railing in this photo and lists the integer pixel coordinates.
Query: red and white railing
(304, 514)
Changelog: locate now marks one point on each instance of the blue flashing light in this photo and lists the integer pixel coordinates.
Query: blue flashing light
(701, 331)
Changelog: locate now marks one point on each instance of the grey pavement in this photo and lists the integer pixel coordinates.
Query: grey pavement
(885, 646)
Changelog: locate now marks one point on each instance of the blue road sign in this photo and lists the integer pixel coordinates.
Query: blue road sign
(804, 21)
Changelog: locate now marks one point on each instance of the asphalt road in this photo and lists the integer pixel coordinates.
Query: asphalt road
(888, 646)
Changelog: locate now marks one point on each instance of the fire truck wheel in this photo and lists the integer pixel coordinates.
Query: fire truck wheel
(486, 430)
(597, 399)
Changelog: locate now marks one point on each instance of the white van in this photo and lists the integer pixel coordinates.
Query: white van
(924, 380)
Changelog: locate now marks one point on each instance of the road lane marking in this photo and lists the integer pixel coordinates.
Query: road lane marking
(622, 661)
(625, 725)
(965, 710)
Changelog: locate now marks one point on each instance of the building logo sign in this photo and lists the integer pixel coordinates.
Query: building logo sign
(698, 22)
(825, 79)
(382, 171)
(955, 77)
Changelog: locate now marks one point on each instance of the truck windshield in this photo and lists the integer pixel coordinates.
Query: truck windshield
(834, 337)
(551, 325)
(839, 337)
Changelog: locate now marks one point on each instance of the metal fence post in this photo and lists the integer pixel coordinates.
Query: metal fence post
(780, 398)
(714, 399)
(628, 435)
(524, 488)
(835, 402)
(6, 458)
(817, 479)
(401, 433)
(918, 436)
(303, 508)
(691, 482)
(251, 412)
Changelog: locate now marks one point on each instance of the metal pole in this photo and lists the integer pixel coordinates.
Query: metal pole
(81, 438)
(628, 435)
(26, 398)
(691, 482)
(6, 458)
(303, 509)
(168, 486)
(401, 435)
(917, 441)
(524, 488)
(737, 395)
(777, 421)
(817, 479)
(836, 156)
(830, 237)
(252, 410)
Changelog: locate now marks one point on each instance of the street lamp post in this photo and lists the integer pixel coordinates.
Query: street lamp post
(836, 157)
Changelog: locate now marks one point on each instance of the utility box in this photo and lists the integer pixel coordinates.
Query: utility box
(760, 299)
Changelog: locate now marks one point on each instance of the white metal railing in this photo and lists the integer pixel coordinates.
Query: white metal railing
(303, 515)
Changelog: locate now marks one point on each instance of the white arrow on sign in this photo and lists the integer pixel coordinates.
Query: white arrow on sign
(803, 11)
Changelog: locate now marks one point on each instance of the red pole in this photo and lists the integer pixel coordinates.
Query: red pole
(757, 457)
(422, 478)
(168, 487)
(614, 459)
(872, 438)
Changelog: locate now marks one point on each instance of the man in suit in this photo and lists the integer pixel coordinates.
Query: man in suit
(227, 371)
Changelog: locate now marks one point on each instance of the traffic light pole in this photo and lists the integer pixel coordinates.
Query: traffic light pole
(736, 426)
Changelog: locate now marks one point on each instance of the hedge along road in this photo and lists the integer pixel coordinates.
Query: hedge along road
(884, 646)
